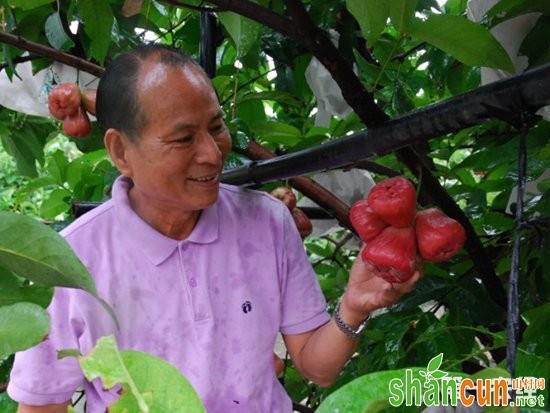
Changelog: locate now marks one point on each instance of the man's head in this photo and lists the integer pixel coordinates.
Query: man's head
(117, 104)
(164, 129)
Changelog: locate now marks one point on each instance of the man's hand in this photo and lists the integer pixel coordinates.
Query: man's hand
(366, 292)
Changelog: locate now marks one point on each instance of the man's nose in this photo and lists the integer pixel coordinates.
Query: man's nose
(208, 150)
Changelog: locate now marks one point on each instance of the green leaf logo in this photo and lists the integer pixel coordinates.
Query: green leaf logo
(432, 370)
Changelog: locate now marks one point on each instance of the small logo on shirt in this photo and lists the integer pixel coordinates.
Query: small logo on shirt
(247, 307)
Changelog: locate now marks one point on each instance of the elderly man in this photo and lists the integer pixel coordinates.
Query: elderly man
(199, 273)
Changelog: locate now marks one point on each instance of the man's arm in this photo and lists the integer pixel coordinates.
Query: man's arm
(320, 355)
(50, 408)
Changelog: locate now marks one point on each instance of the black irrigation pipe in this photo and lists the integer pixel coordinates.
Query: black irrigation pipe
(505, 99)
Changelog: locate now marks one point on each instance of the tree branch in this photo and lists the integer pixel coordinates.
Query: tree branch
(51, 53)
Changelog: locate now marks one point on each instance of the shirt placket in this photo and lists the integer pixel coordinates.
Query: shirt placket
(195, 282)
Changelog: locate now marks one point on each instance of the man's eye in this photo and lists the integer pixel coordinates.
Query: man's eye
(217, 128)
(184, 139)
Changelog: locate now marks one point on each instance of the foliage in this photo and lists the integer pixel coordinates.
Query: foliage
(406, 54)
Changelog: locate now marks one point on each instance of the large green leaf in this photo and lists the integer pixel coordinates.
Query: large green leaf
(508, 9)
(25, 143)
(56, 33)
(97, 17)
(402, 13)
(277, 132)
(7, 405)
(372, 392)
(371, 15)
(56, 203)
(468, 42)
(22, 326)
(536, 338)
(33, 250)
(150, 384)
(14, 290)
(242, 30)
(28, 4)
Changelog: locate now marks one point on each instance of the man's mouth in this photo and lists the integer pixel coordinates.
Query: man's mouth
(205, 178)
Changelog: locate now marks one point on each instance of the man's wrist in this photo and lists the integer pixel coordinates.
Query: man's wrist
(349, 314)
(348, 325)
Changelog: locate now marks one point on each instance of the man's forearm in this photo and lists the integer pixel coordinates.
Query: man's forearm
(324, 353)
(50, 408)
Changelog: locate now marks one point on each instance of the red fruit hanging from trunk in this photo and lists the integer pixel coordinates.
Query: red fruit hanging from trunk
(394, 200)
(392, 254)
(64, 100)
(286, 195)
(302, 221)
(367, 224)
(439, 237)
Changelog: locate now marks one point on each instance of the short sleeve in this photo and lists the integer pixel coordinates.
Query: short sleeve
(304, 307)
(37, 376)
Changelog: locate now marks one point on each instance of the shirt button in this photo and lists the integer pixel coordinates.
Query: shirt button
(193, 282)
(184, 247)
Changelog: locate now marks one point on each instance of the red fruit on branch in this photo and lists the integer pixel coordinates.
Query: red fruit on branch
(88, 100)
(439, 237)
(64, 100)
(392, 254)
(302, 221)
(367, 224)
(394, 201)
(77, 125)
(286, 195)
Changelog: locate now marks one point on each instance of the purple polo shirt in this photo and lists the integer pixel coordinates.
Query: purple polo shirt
(211, 305)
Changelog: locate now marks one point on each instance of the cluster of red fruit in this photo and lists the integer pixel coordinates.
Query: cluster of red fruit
(395, 233)
(68, 104)
(302, 221)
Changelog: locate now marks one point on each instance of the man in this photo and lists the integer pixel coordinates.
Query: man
(199, 273)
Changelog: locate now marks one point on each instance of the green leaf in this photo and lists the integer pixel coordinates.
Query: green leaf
(402, 14)
(371, 15)
(371, 392)
(55, 33)
(536, 338)
(281, 97)
(7, 405)
(277, 132)
(56, 203)
(150, 384)
(98, 18)
(491, 373)
(33, 250)
(468, 42)
(22, 325)
(242, 30)
(28, 4)
(57, 166)
(13, 290)
(26, 144)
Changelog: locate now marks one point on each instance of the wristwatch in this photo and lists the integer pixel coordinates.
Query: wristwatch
(346, 329)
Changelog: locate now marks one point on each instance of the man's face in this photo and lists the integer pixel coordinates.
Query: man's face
(178, 158)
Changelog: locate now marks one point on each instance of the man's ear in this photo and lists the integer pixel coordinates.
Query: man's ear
(118, 146)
